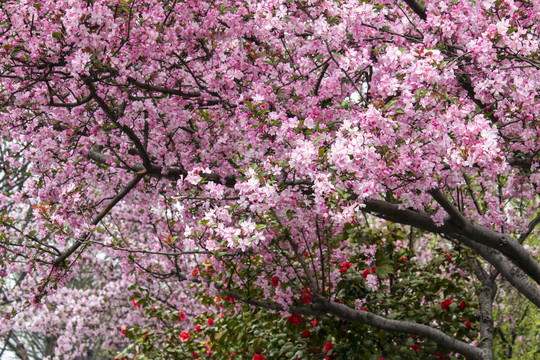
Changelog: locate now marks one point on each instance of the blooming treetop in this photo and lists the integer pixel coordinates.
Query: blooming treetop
(161, 135)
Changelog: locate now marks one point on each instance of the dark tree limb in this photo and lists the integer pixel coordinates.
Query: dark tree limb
(324, 306)
(60, 259)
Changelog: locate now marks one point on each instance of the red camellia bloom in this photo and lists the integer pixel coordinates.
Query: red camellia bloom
(135, 304)
(195, 354)
(365, 273)
(414, 347)
(198, 328)
(184, 336)
(210, 321)
(403, 258)
(328, 346)
(440, 355)
(306, 297)
(346, 265)
(181, 316)
(462, 305)
(468, 324)
(448, 256)
(258, 357)
(445, 305)
(274, 281)
(306, 333)
(295, 319)
(123, 330)
(343, 270)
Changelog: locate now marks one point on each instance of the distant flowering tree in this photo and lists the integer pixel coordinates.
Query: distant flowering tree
(368, 163)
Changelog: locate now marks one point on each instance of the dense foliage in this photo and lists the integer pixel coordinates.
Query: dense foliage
(369, 164)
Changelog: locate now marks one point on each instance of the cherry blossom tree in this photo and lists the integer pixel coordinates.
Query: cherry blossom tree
(168, 152)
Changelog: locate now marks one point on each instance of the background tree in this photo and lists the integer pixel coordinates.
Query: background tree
(226, 147)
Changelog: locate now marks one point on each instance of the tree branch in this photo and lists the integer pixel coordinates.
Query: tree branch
(322, 305)
(59, 260)
(417, 8)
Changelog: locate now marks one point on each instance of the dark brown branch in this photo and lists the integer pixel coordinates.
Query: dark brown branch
(114, 118)
(163, 90)
(530, 229)
(508, 246)
(60, 259)
(417, 8)
(455, 214)
(325, 306)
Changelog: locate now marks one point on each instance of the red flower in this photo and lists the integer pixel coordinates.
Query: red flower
(123, 330)
(198, 328)
(195, 354)
(414, 347)
(295, 319)
(210, 321)
(258, 357)
(462, 305)
(445, 305)
(468, 324)
(440, 355)
(448, 256)
(346, 265)
(306, 333)
(306, 298)
(363, 309)
(343, 270)
(403, 258)
(328, 346)
(181, 316)
(195, 272)
(314, 322)
(135, 304)
(274, 281)
(184, 336)
(365, 273)
(373, 269)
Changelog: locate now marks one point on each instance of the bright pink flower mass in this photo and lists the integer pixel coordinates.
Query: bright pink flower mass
(170, 151)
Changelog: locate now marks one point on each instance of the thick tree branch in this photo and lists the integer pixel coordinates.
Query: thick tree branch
(417, 8)
(508, 270)
(508, 246)
(325, 306)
